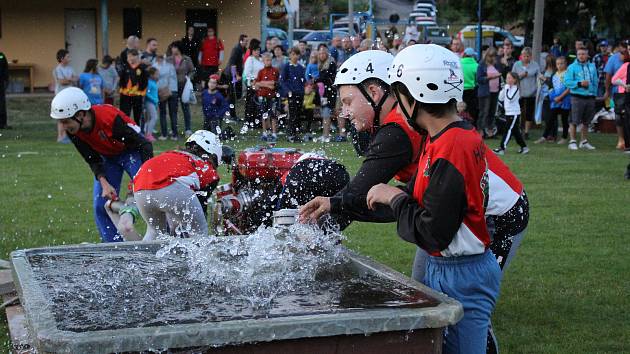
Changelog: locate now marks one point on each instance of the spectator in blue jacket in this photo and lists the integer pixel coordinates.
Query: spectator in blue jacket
(581, 79)
(214, 106)
(292, 87)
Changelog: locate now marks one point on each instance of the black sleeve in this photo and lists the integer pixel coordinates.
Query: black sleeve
(93, 158)
(384, 159)
(433, 226)
(204, 195)
(132, 139)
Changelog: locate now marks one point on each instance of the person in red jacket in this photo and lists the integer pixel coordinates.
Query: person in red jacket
(443, 208)
(109, 141)
(210, 55)
(165, 187)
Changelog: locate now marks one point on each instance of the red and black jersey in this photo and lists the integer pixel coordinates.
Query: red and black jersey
(175, 166)
(112, 133)
(444, 212)
(505, 188)
(405, 174)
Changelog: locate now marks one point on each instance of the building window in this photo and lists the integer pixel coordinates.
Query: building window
(132, 22)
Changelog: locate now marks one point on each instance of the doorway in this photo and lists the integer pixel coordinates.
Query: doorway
(201, 19)
(80, 37)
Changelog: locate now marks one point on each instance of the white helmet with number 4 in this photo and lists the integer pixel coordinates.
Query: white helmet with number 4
(208, 141)
(68, 102)
(369, 64)
(431, 73)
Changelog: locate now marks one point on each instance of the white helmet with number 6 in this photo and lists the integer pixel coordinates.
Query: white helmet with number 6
(68, 102)
(431, 73)
(208, 141)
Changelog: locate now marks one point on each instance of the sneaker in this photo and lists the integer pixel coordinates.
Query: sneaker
(626, 151)
(340, 139)
(324, 139)
(273, 138)
(540, 140)
(499, 151)
(562, 141)
(174, 138)
(150, 138)
(263, 137)
(523, 150)
(573, 145)
(64, 140)
(162, 138)
(585, 145)
(188, 133)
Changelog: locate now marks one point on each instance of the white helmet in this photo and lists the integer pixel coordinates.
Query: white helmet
(208, 141)
(431, 73)
(364, 65)
(68, 102)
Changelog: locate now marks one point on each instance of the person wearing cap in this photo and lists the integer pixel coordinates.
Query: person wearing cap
(443, 207)
(109, 141)
(600, 59)
(166, 186)
(390, 146)
(469, 68)
(214, 106)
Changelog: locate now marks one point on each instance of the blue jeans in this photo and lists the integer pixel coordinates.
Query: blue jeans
(114, 167)
(474, 281)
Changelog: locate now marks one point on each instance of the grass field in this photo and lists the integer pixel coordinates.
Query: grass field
(567, 291)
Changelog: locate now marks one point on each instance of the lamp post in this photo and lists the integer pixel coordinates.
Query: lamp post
(479, 30)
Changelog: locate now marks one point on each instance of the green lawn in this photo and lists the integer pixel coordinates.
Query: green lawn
(568, 290)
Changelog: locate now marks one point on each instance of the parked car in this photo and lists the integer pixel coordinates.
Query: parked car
(280, 34)
(438, 35)
(299, 33)
(315, 38)
(491, 35)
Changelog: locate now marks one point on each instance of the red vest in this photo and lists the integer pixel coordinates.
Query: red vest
(465, 150)
(170, 166)
(100, 137)
(416, 140)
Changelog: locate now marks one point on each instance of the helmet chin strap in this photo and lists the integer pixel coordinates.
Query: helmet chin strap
(411, 118)
(376, 107)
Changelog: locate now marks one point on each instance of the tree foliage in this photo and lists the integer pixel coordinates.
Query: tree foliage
(566, 19)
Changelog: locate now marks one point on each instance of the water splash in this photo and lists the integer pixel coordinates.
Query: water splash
(260, 266)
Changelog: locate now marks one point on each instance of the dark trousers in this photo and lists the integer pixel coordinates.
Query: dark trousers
(551, 121)
(309, 119)
(3, 105)
(513, 128)
(528, 108)
(470, 97)
(552, 126)
(135, 104)
(251, 109)
(211, 124)
(487, 110)
(295, 112)
(171, 104)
